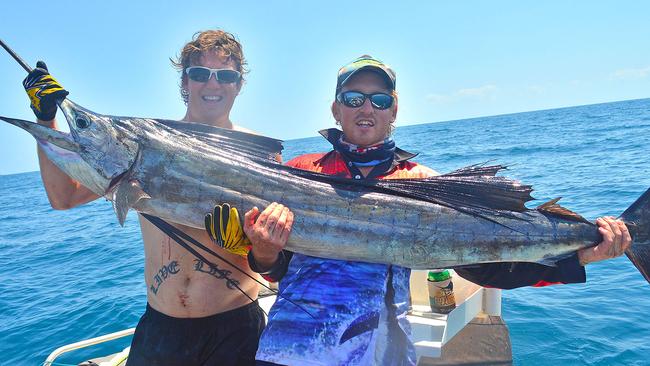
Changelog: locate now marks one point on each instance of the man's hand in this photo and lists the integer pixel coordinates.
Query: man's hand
(268, 232)
(616, 240)
(43, 91)
(225, 230)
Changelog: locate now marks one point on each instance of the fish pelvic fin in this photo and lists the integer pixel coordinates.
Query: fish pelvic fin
(637, 219)
(126, 195)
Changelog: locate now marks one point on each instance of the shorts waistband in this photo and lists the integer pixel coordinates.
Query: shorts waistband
(242, 312)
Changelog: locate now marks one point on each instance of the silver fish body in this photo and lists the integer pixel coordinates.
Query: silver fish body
(185, 181)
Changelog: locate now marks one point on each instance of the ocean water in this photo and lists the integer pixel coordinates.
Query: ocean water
(71, 275)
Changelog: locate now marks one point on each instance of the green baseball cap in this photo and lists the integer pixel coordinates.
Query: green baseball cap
(365, 62)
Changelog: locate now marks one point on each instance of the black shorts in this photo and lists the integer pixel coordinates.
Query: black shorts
(229, 338)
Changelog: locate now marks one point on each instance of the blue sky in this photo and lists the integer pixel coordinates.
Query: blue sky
(453, 60)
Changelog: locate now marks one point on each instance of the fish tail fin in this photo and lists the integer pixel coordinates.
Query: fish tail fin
(637, 219)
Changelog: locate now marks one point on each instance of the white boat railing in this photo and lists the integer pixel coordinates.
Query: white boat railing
(86, 343)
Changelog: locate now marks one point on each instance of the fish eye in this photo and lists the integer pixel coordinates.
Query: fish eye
(82, 122)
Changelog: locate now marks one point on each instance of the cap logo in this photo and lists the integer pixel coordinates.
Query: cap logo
(365, 61)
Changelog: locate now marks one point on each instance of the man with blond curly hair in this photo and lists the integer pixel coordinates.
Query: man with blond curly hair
(196, 313)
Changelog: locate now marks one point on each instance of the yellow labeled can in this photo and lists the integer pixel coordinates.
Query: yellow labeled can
(441, 291)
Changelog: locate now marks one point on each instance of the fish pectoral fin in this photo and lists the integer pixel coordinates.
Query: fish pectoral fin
(126, 195)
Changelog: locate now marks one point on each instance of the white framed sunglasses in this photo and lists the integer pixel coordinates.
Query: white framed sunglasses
(202, 74)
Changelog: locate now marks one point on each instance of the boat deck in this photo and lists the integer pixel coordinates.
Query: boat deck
(472, 334)
(483, 341)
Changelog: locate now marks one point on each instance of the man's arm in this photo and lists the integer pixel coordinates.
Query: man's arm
(262, 239)
(509, 275)
(44, 92)
(616, 239)
(63, 192)
(268, 232)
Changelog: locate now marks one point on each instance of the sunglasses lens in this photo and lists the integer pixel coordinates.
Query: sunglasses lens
(202, 74)
(353, 99)
(199, 74)
(228, 76)
(381, 101)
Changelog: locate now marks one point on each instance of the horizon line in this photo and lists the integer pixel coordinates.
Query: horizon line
(444, 121)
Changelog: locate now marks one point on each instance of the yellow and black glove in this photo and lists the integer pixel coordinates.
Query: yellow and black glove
(225, 230)
(43, 91)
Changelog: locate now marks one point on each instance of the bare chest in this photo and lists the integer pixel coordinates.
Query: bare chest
(182, 284)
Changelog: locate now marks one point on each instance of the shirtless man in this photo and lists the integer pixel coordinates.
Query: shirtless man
(193, 316)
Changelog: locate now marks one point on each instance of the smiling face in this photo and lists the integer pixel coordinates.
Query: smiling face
(211, 102)
(365, 126)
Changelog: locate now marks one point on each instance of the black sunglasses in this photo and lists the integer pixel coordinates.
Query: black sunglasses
(203, 74)
(355, 99)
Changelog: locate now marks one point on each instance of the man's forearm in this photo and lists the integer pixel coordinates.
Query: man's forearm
(509, 275)
(63, 192)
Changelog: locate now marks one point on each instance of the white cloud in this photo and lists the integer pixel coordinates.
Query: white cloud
(631, 73)
(536, 89)
(438, 98)
(481, 92)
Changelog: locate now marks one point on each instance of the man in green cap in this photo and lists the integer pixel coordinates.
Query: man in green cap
(355, 311)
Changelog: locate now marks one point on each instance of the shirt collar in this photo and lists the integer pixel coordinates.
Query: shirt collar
(332, 135)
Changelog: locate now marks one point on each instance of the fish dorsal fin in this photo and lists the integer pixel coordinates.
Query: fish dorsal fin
(552, 208)
(477, 170)
(473, 188)
(465, 190)
(256, 147)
